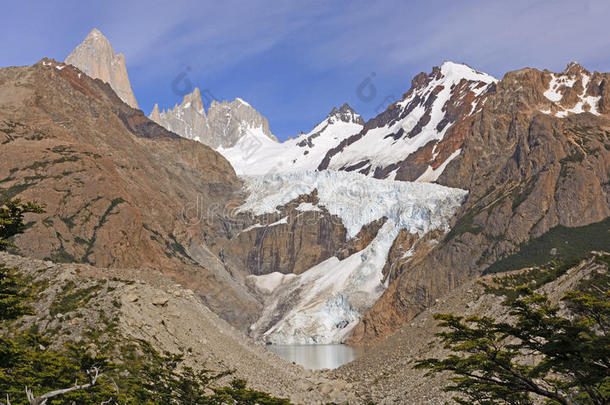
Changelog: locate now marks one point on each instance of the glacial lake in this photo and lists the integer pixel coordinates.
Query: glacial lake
(316, 357)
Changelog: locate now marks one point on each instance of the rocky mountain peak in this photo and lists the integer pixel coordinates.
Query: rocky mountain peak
(415, 126)
(193, 100)
(155, 115)
(575, 68)
(346, 114)
(96, 58)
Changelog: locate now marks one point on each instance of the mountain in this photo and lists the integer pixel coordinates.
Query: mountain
(535, 158)
(96, 58)
(222, 127)
(408, 141)
(120, 190)
(255, 155)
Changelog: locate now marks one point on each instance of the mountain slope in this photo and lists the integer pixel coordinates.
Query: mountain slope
(118, 188)
(95, 57)
(385, 374)
(407, 141)
(109, 311)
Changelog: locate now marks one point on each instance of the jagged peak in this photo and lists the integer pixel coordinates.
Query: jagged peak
(95, 33)
(193, 100)
(574, 68)
(346, 114)
(95, 57)
(155, 115)
(98, 39)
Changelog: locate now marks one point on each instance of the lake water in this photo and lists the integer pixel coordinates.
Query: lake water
(315, 357)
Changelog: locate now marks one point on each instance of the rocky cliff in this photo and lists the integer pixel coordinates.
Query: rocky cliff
(96, 58)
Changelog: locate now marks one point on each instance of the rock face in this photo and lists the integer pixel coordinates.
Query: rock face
(119, 190)
(222, 127)
(95, 57)
(534, 156)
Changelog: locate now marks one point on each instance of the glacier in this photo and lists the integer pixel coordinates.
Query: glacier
(323, 304)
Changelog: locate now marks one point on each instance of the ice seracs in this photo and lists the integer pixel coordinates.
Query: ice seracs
(324, 303)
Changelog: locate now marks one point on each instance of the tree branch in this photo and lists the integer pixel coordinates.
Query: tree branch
(42, 399)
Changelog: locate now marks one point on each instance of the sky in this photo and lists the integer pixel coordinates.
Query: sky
(295, 60)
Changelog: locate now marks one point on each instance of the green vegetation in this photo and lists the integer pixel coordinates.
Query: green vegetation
(542, 354)
(508, 285)
(520, 194)
(72, 298)
(464, 224)
(13, 290)
(13, 191)
(567, 243)
(11, 219)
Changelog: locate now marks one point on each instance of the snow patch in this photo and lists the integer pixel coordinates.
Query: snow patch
(431, 174)
(305, 206)
(259, 155)
(585, 103)
(243, 102)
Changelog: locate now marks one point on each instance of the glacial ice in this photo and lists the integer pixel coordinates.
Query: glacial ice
(323, 304)
(357, 199)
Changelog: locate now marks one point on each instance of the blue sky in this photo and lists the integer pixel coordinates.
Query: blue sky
(294, 61)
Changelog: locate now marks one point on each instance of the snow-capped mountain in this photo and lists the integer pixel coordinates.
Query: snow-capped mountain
(255, 155)
(96, 58)
(416, 124)
(222, 127)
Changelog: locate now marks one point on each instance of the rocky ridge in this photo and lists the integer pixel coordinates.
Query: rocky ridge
(118, 188)
(255, 155)
(224, 124)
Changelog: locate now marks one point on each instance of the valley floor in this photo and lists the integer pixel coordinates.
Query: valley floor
(76, 299)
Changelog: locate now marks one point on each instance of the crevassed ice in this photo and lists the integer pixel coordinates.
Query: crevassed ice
(323, 304)
(358, 199)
